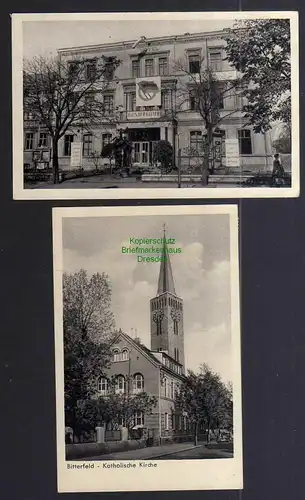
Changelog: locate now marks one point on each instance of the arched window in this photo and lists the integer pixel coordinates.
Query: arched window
(116, 354)
(103, 386)
(125, 354)
(119, 384)
(138, 383)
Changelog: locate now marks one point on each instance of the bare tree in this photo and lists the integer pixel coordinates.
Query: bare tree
(61, 94)
(204, 93)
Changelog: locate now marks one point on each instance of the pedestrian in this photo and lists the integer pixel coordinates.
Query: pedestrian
(278, 171)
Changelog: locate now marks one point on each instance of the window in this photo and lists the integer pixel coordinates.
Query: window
(108, 104)
(194, 63)
(220, 95)
(119, 384)
(138, 383)
(116, 355)
(73, 68)
(125, 355)
(132, 101)
(135, 69)
(89, 100)
(29, 140)
(193, 102)
(196, 141)
(159, 327)
(149, 67)
(165, 100)
(87, 144)
(90, 70)
(103, 386)
(43, 140)
(245, 143)
(215, 60)
(176, 354)
(163, 66)
(67, 144)
(166, 421)
(172, 389)
(139, 419)
(106, 139)
(175, 327)
(173, 421)
(165, 387)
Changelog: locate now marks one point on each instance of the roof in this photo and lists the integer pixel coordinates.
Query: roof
(148, 353)
(180, 37)
(166, 280)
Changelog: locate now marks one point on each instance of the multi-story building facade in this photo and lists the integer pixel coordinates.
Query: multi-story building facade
(157, 371)
(150, 98)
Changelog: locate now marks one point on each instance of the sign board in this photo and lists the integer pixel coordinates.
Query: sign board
(148, 91)
(138, 115)
(232, 153)
(76, 154)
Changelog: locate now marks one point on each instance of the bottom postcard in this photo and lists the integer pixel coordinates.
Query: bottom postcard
(147, 343)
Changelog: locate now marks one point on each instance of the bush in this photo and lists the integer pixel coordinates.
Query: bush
(163, 153)
(83, 450)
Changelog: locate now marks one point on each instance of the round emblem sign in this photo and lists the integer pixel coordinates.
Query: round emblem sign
(147, 90)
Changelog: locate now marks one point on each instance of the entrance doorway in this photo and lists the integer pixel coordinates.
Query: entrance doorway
(143, 141)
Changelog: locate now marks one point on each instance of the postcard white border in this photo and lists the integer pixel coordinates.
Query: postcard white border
(169, 475)
(19, 192)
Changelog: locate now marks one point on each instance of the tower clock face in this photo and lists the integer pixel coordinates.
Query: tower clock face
(158, 315)
(175, 314)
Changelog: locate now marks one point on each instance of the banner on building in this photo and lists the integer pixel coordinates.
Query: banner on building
(148, 91)
(232, 153)
(76, 154)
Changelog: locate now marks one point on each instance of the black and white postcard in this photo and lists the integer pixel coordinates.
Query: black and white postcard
(155, 105)
(147, 342)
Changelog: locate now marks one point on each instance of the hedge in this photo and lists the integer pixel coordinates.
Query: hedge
(83, 450)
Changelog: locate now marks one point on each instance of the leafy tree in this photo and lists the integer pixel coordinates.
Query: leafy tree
(260, 50)
(88, 331)
(61, 94)
(205, 399)
(163, 153)
(117, 408)
(204, 93)
(283, 143)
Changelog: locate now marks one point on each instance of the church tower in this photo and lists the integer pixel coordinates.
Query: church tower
(166, 313)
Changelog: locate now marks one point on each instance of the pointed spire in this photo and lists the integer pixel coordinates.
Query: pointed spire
(166, 280)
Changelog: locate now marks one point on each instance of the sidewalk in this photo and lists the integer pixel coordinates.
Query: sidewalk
(152, 452)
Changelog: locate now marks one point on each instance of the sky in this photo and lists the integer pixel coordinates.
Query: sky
(201, 274)
(45, 37)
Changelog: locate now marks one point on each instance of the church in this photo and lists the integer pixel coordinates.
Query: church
(160, 370)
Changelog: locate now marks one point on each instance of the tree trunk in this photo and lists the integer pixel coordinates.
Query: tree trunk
(55, 161)
(196, 434)
(209, 433)
(206, 158)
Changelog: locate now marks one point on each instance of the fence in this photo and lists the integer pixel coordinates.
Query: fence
(113, 435)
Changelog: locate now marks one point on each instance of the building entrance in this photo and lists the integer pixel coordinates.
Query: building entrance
(143, 141)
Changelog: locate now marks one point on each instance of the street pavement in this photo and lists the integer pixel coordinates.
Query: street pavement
(95, 182)
(175, 451)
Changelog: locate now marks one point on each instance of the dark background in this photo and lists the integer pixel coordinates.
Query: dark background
(272, 255)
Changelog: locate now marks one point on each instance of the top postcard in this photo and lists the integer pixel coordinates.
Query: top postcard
(155, 105)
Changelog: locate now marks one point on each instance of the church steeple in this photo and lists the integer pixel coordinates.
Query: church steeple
(166, 280)
(166, 312)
